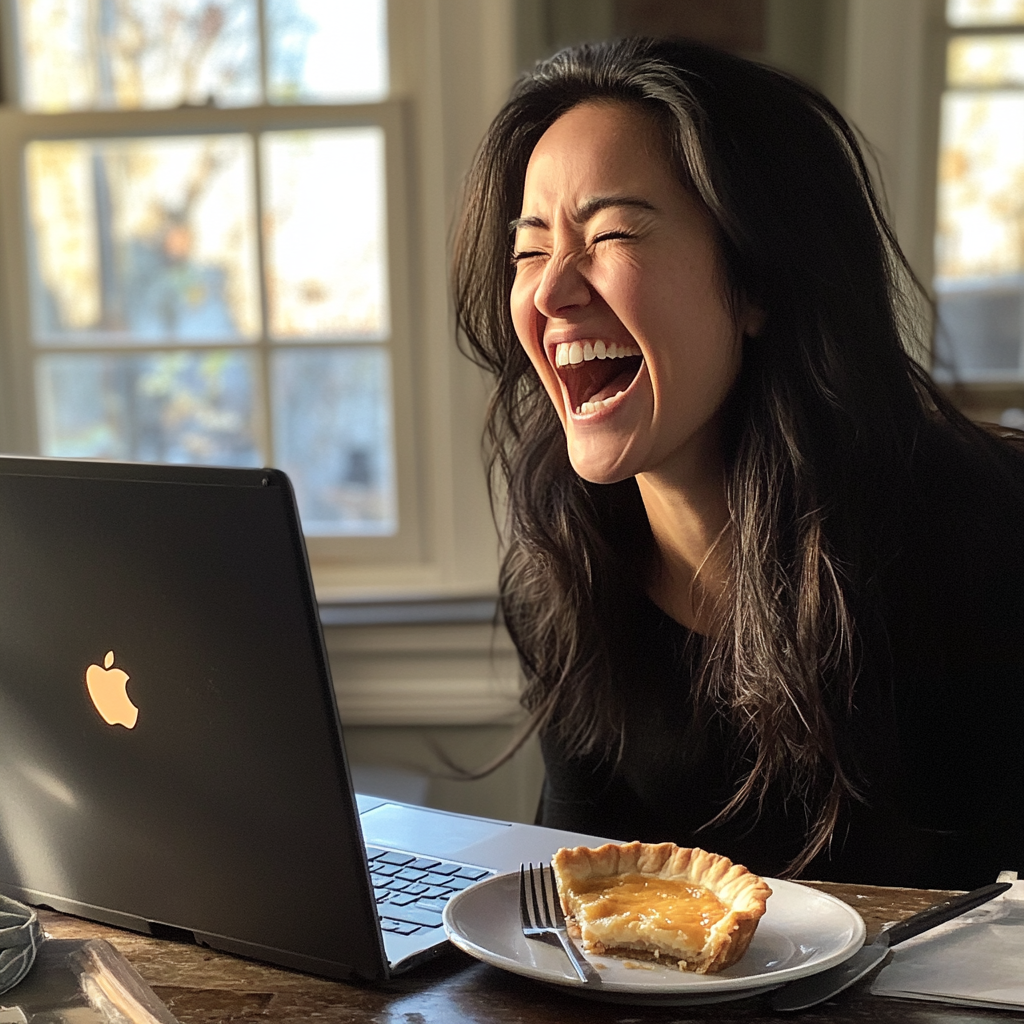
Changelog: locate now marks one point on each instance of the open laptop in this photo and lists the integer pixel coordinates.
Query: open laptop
(171, 758)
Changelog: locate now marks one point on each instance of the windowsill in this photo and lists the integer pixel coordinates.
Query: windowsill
(416, 611)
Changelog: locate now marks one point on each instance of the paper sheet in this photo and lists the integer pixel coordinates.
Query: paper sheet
(974, 960)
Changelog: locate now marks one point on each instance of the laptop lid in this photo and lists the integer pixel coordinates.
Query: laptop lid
(170, 752)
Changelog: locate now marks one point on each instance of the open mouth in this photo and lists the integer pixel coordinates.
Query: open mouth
(594, 374)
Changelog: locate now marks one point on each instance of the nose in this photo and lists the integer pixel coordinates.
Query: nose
(562, 287)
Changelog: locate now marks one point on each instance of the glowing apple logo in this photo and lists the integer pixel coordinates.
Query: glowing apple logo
(108, 691)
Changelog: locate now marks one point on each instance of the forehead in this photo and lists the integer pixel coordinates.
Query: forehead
(598, 147)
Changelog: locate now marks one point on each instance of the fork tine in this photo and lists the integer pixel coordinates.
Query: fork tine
(524, 910)
(556, 902)
(533, 893)
(544, 897)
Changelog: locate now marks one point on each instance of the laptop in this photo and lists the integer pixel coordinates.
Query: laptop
(171, 758)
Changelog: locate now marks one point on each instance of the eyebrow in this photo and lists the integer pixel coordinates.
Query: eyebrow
(589, 209)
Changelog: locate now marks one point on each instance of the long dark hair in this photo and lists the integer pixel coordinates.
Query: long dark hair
(822, 422)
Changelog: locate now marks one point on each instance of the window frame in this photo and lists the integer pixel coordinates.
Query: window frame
(19, 422)
(451, 64)
(890, 85)
(976, 386)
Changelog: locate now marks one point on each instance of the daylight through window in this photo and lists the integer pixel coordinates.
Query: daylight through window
(211, 283)
(980, 222)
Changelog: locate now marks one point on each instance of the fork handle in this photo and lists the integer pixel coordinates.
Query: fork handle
(586, 971)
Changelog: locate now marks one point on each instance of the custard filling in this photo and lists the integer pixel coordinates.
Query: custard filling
(635, 905)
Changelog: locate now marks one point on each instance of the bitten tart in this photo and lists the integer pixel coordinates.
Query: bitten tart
(687, 906)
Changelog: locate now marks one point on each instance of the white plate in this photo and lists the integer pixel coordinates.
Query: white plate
(802, 932)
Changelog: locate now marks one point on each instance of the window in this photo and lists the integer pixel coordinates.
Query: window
(204, 227)
(179, 304)
(979, 254)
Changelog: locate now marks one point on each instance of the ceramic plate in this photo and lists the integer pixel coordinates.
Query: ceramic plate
(802, 932)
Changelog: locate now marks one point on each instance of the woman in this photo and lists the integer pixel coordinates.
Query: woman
(764, 581)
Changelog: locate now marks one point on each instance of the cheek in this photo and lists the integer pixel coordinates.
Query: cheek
(528, 326)
(690, 327)
(524, 320)
(634, 298)
(520, 304)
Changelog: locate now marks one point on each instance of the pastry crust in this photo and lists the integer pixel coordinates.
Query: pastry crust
(719, 928)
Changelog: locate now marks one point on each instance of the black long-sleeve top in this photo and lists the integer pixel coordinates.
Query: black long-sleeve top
(940, 734)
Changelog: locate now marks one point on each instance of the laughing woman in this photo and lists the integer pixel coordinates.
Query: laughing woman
(766, 584)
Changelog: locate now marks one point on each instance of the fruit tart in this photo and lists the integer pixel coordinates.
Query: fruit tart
(663, 902)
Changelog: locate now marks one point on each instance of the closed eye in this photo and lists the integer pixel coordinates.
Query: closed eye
(518, 257)
(609, 236)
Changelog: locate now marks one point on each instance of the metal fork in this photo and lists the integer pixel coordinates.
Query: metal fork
(543, 919)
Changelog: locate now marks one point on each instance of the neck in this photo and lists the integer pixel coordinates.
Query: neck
(689, 519)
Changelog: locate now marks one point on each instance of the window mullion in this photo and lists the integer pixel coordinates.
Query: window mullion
(266, 411)
(261, 23)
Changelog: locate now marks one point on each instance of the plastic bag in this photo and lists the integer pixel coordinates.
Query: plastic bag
(20, 936)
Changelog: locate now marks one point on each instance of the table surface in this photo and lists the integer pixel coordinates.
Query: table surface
(201, 986)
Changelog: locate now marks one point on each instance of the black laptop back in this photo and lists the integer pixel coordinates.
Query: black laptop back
(226, 809)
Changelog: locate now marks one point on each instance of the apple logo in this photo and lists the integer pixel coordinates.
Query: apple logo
(108, 691)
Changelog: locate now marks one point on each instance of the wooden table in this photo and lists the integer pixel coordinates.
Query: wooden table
(204, 987)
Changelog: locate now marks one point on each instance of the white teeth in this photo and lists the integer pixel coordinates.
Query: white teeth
(572, 353)
(588, 407)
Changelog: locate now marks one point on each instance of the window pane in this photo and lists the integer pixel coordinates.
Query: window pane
(986, 60)
(985, 12)
(196, 407)
(142, 241)
(324, 233)
(326, 51)
(130, 54)
(981, 185)
(332, 435)
(980, 236)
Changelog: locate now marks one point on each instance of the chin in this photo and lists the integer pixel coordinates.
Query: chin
(597, 470)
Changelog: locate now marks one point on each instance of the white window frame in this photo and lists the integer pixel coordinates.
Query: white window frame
(17, 129)
(451, 66)
(890, 85)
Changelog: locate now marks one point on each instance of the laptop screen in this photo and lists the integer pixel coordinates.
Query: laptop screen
(169, 743)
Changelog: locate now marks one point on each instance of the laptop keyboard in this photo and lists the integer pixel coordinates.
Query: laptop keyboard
(411, 891)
